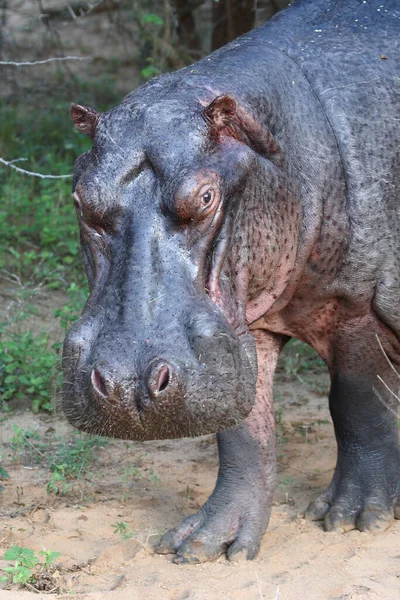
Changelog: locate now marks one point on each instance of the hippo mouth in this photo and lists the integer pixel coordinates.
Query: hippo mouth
(173, 399)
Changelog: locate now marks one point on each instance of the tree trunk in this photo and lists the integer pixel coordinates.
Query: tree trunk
(187, 31)
(231, 18)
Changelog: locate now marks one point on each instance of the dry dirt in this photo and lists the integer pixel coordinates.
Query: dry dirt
(297, 561)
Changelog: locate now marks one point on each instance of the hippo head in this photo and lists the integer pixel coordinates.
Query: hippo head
(162, 349)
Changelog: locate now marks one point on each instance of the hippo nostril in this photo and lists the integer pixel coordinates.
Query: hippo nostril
(163, 379)
(99, 383)
(159, 379)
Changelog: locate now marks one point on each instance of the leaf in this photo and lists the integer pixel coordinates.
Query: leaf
(12, 553)
(49, 556)
(152, 18)
(25, 555)
(3, 473)
(22, 575)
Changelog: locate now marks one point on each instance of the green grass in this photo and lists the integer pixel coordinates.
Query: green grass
(65, 459)
(299, 358)
(300, 361)
(27, 368)
(39, 241)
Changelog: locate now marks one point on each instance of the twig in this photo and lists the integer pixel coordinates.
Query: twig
(34, 448)
(386, 356)
(120, 580)
(42, 62)
(388, 388)
(16, 160)
(83, 13)
(385, 384)
(385, 404)
(9, 163)
(71, 11)
(31, 587)
(259, 587)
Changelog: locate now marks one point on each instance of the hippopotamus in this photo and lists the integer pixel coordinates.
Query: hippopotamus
(223, 209)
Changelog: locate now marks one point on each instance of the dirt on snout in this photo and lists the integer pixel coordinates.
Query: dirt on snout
(106, 519)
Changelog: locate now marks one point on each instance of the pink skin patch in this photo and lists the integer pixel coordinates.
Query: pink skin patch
(162, 379)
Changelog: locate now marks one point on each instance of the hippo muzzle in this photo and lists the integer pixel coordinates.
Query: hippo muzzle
(188, 378)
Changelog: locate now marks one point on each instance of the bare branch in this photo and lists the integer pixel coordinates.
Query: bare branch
(386, 356)
(9, 163)
(385, 384)
(385, 404)
(388, 388)
(43, 62)
(71, 11)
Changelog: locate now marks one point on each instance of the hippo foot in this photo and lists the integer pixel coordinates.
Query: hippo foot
(365, 502)
(219, 527)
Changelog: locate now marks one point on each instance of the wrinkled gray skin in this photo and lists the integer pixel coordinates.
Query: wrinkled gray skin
(224, 208)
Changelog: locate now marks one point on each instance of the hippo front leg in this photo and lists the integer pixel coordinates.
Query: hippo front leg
(235, 517)
(365, 490)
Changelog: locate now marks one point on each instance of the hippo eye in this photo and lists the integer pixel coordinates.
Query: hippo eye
(77, 203)
(197, 198)
(207, 197)
(206, 200)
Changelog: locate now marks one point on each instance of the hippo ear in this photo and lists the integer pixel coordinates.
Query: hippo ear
(221, 112)
(85, 119)
(226, 118)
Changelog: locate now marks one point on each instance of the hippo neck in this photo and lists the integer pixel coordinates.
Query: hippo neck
(272, 240)
(291, 110)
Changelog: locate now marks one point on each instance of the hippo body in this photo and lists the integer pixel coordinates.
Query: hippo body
(225, 208)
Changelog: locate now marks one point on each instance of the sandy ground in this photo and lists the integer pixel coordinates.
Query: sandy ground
(297, 560)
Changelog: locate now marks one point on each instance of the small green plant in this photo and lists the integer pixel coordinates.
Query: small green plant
(287, 482)
(22, 570)
(152, 18)
(136, 472)
(153, 477)
(49, 558)
(23, 442)
(150, 70)
(122, 529)
(27, 566)
(58, 483)
(131, 472)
